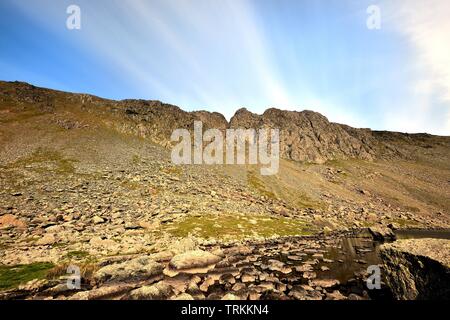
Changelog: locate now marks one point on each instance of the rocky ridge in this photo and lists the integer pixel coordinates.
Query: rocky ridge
(305, 136)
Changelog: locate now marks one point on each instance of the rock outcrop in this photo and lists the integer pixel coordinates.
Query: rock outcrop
(418, 268)
(309, 136)
(141, 267)
(380, 233)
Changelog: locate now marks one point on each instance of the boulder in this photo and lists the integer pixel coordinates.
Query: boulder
(47, 239)
(8, 220)
(380, 233)
(157, 291)
(142, 267)
(325, 283)
(98, 220)
(183, 296)
(335, 295)
(104, 292)
(231, 296)
(299, 293)
(193, 259)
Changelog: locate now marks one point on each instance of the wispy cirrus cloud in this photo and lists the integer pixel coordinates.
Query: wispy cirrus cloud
(221, 55)
(426, 28)
(157, 43)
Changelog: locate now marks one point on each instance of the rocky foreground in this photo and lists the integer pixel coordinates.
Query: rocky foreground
(289, 268)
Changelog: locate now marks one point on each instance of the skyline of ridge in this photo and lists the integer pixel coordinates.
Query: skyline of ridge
(228, 120)
(222, 55)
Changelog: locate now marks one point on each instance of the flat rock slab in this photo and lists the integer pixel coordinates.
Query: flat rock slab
(436, 249)
(142, 267)
(193, 259)
(158, 291)
(325, 283)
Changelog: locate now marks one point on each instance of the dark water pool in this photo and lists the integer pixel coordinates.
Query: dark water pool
(420, 234)
(355, 254)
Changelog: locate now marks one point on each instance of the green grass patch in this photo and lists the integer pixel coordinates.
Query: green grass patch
(136, 159)
(77, 254)
(130, 185)
(43, 160)
(301, 200)
(13, 276)
(173, 170)
(238, 226)
(258, 185)
(12, 117)
(405, 223)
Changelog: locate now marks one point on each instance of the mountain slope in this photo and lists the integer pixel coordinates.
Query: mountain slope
(89, 181)
(87, 158)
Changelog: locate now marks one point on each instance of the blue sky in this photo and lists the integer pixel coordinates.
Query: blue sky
(221, 55)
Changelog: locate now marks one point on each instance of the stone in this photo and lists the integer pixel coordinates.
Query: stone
(227, 278)
(183, 296)
(327, 229)
(34, 285)
(193, 259)
(276, 265)
(230, 296)
(393, 226)
(354, 296)
(142, 267)
(98, 220)
(299, 293)
(318, 255)
(158, 291)
(417, 268)
(380, 233)
(246, 277)
(9, 220)
(294, 258)
(325, 283)
(238, 286)
(103, 292)
(304, 268)
(162, 256)
(183, 245)
(335, 295)
(309, 275)
(148, 225)
(132, 226)
(47, 239)
(209, 281)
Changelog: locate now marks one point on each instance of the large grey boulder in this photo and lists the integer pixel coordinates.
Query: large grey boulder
(381, 233)
(142, 267)
(193, 259)
(157, 291)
